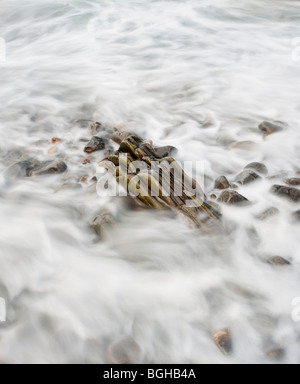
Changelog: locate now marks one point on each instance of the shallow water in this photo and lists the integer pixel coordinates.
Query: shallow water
(198, 75)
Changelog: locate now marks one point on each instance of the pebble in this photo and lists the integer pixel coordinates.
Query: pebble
(53, 150)
(268, 213)
(46, 168)
(245, 145)
(232, 197)
(102, 222)
(222, 183)
(55, 140)
(166, 151)
(269, 128)
(95, 128)
(125, 351)
(292, 194)
(247, 177)
(120, 136)
(223, 341)
(293, 182)
(95, 144)
(258, 167)
(276, 354)
(278, 261)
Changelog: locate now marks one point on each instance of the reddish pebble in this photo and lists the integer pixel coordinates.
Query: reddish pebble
(55, 140)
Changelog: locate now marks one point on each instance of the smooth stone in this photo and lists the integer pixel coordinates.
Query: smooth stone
(247, 177)
(278, 261)
(292, 194)
(223, 340)
(222, 183)
(276, 354)
(103, 222)
(125, 351)
(119, 136)
(293, 181)
(47, 168)
(95, 144)
(258, 167)
(166, 151)
(232, 197)
(268, 213)
(269, 128)
(245, 145)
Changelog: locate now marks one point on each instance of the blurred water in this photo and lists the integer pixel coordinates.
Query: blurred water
(199, 75)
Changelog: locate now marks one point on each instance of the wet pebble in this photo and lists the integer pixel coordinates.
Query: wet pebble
(269, 128)
(125, 351)
(119, 136)
(222, 183)
(247, 177)
(102, 223)
(293, 182)
(223, 340)
(95, 128)
(268, 214)
(276, 354)
(258, 167)
(278, 261)
(95, 144)
(166, 151)
(232, 197)
(292, 194)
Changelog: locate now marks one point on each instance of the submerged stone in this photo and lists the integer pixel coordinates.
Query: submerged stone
(95, 144)
(247, 177)
(222, 183)
(232, 198)
(292, 194)
(269, 128)
(258, 167)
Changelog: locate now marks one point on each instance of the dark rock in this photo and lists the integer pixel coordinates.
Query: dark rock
(268, 213)
(95, 144)
(222, 183)
(278, 261)
(46, 168)
(102, 223)
(276, 354)
(292, 194)
(268, 128)
(166, 151)
(258, 167)
(223, 341)
(247, 177)
(232, 197)
(293, 182)
(125, 351)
